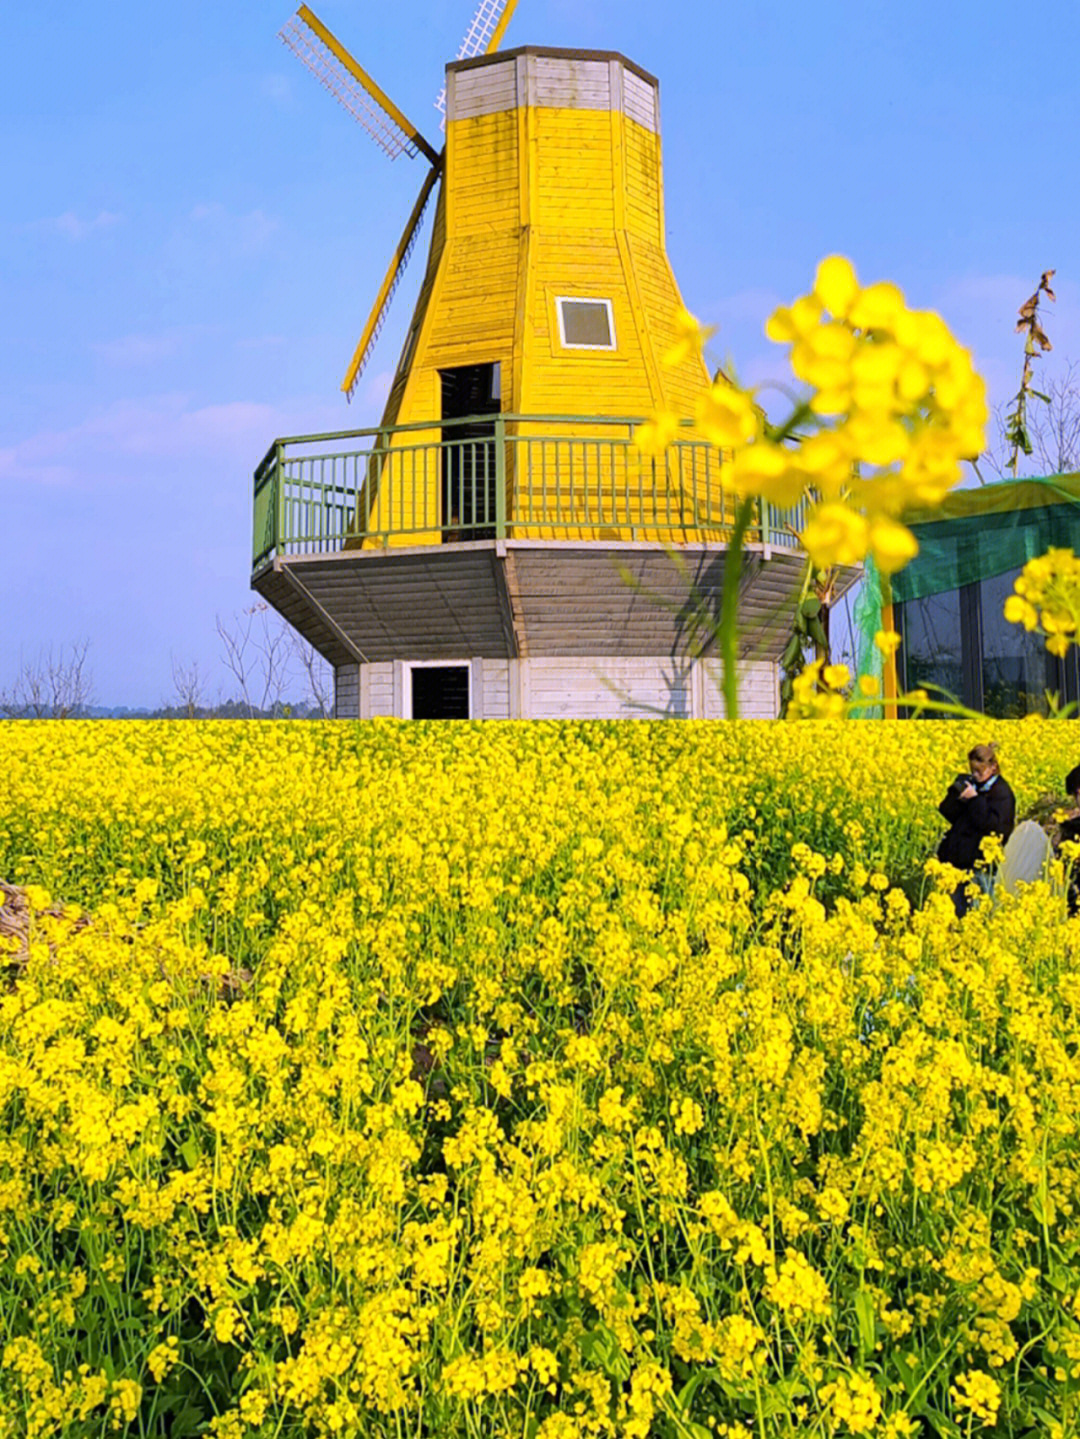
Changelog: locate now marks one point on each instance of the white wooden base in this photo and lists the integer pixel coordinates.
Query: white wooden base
(573, 687)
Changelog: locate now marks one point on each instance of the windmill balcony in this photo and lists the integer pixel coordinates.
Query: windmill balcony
(537, 547)
(511, 477)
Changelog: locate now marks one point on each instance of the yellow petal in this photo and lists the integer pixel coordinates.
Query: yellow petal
(836, 285)
(892, 545)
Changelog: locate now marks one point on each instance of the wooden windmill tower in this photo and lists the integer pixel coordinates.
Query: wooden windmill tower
(486, 527)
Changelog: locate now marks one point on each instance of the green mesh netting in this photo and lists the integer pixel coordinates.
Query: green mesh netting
(866, 620)
(985, 532)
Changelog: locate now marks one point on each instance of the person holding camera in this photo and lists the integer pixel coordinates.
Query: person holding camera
(1069, 831)
(978, 803)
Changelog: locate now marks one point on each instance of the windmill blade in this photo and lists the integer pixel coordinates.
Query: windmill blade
(393, 275)
(484, 35)
(325, 56)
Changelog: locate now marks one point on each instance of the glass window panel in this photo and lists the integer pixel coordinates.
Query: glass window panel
(933, 646)
(1017, 668)
(587, 324)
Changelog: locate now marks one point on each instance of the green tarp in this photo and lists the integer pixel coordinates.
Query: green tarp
(982, 532)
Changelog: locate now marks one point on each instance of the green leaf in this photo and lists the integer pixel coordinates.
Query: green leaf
(811, 607)
(691, 1387)
(864, 1313)
(600, 1346)
(817, 634)
(943, 1425)
(906, 1372)
(1044, 1415)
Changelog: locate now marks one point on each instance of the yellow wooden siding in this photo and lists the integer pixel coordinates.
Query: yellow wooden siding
(483, 173)
(683, 383)
(573, 170)
(643, 198)
(473, 320)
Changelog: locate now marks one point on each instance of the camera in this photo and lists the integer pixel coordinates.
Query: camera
(962, 781)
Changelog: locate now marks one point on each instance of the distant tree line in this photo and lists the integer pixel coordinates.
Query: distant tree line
(273, 674)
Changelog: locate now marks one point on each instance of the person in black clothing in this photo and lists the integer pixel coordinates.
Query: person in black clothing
(1069, 829)
(977, 804)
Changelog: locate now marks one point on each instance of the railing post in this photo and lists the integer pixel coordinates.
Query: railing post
(765, 522)
(500, 477)
(279, 499)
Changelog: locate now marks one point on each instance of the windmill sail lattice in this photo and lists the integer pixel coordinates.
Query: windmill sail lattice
(491, 18)
(357, 92)
(386, 293)
(332, 65)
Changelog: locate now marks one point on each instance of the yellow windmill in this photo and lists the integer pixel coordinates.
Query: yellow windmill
(470, 554)
(548, 289)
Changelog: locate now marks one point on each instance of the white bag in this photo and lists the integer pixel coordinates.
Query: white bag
(1027, 854)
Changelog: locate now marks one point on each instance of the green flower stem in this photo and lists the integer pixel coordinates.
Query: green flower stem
(729, 623)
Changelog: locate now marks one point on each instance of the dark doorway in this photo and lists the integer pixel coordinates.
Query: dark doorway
(468, 468)
(440, 692)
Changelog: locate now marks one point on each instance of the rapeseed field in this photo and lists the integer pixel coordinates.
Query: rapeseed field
(530, 1080)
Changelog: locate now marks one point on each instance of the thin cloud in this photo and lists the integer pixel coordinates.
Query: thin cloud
(259, 342)
(241, 233)
(132, 440)
(129, 351)
(277, 88)
(72, 227)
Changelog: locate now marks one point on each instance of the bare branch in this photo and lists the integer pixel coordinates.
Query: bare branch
(235, 648)
(189, 686)
(256, 650)
(55, 685)
(319, 675)
(1052, 429)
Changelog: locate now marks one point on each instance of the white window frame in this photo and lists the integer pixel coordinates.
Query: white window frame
(560, 300)
(410, 665)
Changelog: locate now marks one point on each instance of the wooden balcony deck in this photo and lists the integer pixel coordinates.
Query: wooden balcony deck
(549, 536)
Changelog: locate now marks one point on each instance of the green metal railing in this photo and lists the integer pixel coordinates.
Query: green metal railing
(493, 477)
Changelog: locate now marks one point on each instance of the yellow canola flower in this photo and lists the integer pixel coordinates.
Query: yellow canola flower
(836, 285)
(891, 544)
(854, 1402)
(691, 337)
(1046, 599)
(977, 1395)
(835, 535)
(726, 416)
(895, 407)
(653, 437)
(798, 1289)
(887, 641)
(770, 470)
(789, 324)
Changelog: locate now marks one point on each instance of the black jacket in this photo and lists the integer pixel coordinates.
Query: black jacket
(991, 811)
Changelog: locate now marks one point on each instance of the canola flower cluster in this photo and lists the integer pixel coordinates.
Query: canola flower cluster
(529, 1080)
(1047, 599)
(892, 407)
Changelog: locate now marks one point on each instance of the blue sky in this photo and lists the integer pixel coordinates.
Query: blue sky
(192, 232)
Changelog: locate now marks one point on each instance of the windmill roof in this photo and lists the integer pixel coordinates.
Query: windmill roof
(555, 53)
